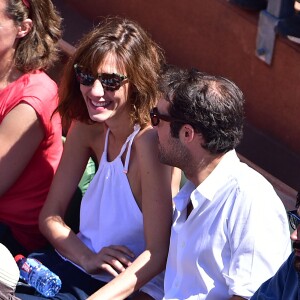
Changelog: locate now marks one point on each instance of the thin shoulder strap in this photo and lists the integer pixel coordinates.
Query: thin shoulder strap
(106, 142)
(129, 141)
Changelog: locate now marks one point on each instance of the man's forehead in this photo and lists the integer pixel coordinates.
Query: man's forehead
(163, 105)
(298, 203)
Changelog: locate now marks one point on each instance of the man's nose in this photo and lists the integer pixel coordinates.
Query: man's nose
(295, 235)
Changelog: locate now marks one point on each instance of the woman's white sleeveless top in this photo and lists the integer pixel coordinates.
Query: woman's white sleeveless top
(109, 214)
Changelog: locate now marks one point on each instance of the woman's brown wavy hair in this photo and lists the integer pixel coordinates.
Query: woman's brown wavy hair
(38, 50)
(135, 52)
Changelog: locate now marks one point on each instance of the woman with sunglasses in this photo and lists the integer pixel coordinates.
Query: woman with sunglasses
(30, 140)
(108, 89)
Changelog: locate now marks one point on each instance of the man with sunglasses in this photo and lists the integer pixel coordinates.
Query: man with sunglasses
(222, 242)
(285, 284)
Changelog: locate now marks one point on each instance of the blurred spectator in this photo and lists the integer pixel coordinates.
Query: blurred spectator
(251, 4)
(9, 274)
(290, 27)
(30, 136)
(285, 284)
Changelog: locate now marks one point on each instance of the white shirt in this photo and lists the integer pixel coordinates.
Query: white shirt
(235, 238)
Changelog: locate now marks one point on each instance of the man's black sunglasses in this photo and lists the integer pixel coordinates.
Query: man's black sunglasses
(110, 82)
(294, 219)
(155, 117)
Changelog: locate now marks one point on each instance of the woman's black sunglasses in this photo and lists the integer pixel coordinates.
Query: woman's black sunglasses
(110, 82)
(155, 117)
(294, 219)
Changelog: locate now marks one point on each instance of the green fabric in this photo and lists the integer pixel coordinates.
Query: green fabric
(87, 176)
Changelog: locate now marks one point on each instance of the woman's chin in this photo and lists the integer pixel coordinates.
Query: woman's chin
(98, 118)
(99, 114)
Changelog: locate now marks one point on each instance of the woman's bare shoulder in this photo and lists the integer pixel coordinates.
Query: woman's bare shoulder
(146, 145)
(146, 136)
(87, 131)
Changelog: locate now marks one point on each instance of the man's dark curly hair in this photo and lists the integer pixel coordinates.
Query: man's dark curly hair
(212, 105)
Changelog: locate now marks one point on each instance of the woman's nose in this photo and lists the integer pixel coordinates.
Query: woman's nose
(97, 88)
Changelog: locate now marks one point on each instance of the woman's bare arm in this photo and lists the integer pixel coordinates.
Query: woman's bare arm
(74, 159)
(21, 132)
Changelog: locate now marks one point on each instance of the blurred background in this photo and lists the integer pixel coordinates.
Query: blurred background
(255, 43)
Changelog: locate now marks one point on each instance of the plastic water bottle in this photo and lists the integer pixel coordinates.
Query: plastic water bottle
(38, 276)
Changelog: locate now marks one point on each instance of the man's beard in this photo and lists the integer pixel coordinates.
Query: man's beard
(296, 245)
(175, 156)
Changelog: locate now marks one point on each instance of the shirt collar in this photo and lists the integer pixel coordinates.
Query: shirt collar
(208, 188)
(218, 176)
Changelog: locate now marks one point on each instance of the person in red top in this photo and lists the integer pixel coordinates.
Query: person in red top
(30, 135)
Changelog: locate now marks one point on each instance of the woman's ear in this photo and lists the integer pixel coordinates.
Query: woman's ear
(24, 28)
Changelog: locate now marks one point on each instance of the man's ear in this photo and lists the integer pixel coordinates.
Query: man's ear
(187, 133)
(24, 28)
